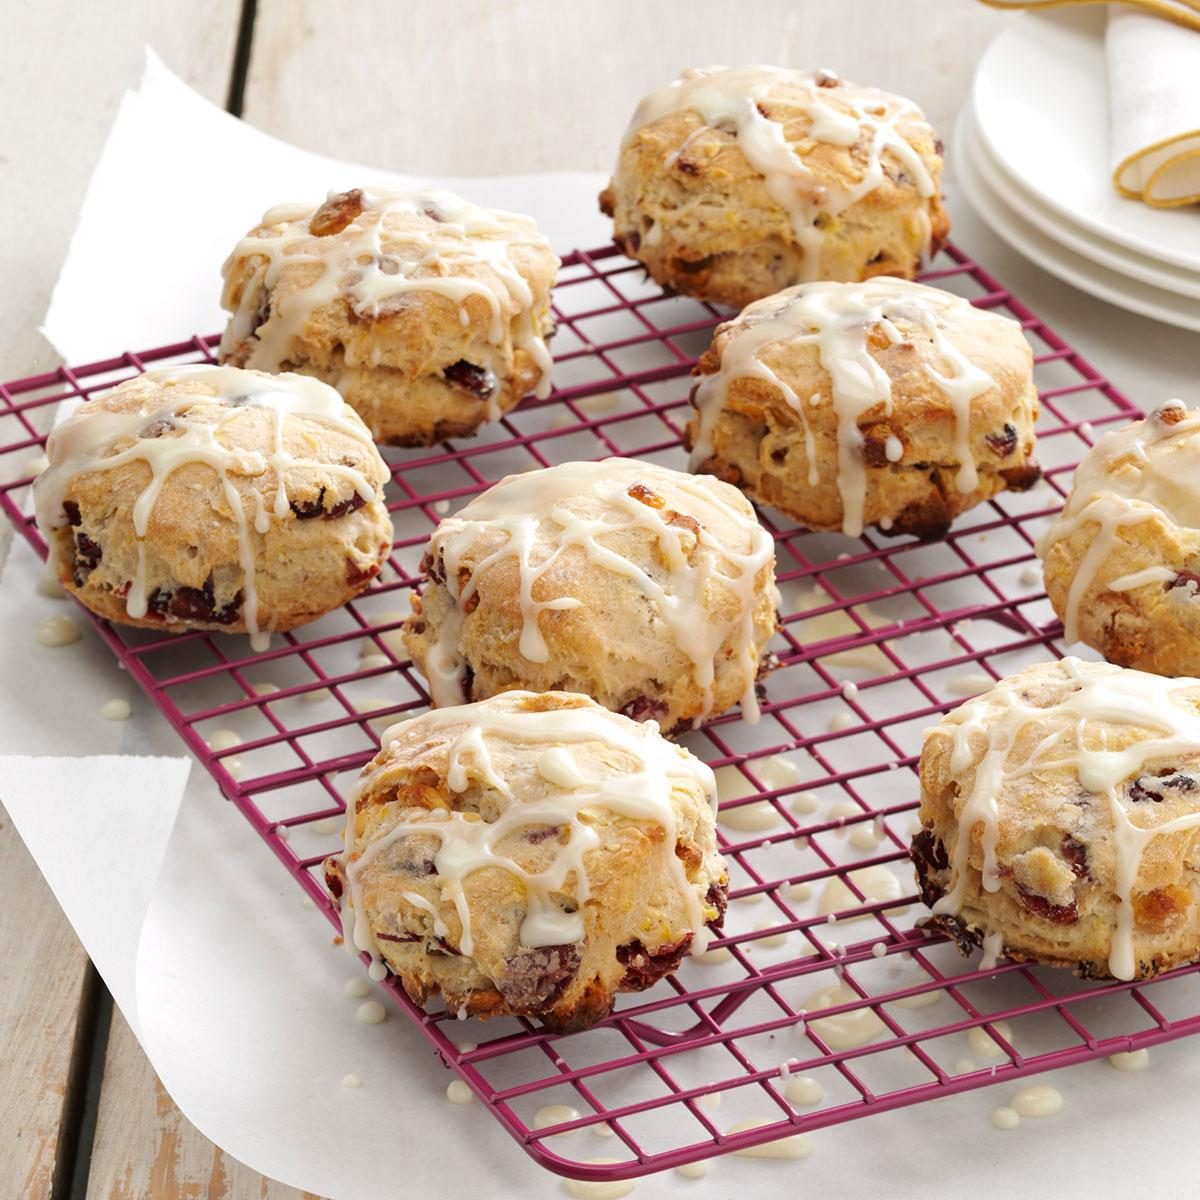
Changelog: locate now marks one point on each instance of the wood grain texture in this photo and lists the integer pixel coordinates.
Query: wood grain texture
(64, 67)
(493, 86)
(40, 1003)
(145, 1149)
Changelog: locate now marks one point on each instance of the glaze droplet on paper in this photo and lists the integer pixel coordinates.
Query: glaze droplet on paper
(57, 631)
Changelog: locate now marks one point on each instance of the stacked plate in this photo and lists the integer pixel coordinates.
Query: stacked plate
(1031, 155)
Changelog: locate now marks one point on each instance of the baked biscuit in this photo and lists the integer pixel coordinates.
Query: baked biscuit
(203, 497)
(882, 403)
(428, 313)
(530, 855)
(1060, 820)
(733, 184)
(1122, 561)
(649, 590)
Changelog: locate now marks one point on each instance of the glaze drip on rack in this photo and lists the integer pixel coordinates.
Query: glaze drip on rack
(208, 402)
(537, 513)
(1147, 471)
(1101, 697)
(840, 320)
(396, 244)
(638, 772)
(733, 99)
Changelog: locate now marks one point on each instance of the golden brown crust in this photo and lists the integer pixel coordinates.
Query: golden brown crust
(636, 921)
(418, 370)
(758, 441)
(1056, 850)
(324, 551)
(687, 204)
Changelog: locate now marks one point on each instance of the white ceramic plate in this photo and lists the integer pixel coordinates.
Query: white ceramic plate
(1041, 105)
(1066, 233)
(1068, 266)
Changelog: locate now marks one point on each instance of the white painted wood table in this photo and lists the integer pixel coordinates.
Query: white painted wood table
(457, 86)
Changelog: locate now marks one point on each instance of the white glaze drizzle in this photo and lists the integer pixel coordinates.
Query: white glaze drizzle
(642, 793)
(460, 252)
(1149, 470)
(1103, 695)
(838, 319)
(538, 514)
(730, 98)
(87, 441)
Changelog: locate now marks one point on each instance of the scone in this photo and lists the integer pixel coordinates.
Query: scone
(428, 313)
(733, 184)
(649, 590)
(1060, 820)
(882, 403)
(1122, 561)
(203, 497)
(530, 855)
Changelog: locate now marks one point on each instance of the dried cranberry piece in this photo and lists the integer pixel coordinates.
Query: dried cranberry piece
(1139, 793)
(1075, 852)
(305, 510)
(468, 683)
(541, 833)
(535, 979)
(687, 166)
(194, 604)
(401, 939)
(644, 708)
(929, 856)
(644, 968)
(1185, 579)
(1004, 442)
(1057, 914)
(87, 557)
(72, 511)
(479, 381)
(343, 507)
(717, 897)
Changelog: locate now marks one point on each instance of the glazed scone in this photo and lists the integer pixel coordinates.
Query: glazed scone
(204, 497)
(882, 403)
(1122, 561)
(530, 855)
(428, 313)
(734, 183)
(649, 590)
(1060, 817)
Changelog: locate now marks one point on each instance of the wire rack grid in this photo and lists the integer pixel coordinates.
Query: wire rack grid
(822, 972)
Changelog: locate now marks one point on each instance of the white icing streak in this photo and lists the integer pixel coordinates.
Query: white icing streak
(863, 118)
(1149, 470)
(840, 319)
(1102, 696)
(641, 792)
(96, 439)
(542, 515)
(442, 244)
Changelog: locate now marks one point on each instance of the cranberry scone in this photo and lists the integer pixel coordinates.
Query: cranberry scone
(530, 855)
(204, 497)
(734, 183)
(650, 590)
(1060, 820)
(883, 403)
(428, 313)
(1122, 561)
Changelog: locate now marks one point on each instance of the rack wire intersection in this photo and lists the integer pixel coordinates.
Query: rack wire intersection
(879, 636)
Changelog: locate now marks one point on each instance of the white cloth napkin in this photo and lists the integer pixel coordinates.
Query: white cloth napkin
(1154, 103)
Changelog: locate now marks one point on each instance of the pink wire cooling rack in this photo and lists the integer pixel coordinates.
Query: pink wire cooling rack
(821, 963)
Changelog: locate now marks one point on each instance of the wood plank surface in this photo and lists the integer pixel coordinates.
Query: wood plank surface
(145, 1149)
(64, 66)
(481, 87)
(41, 1004)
